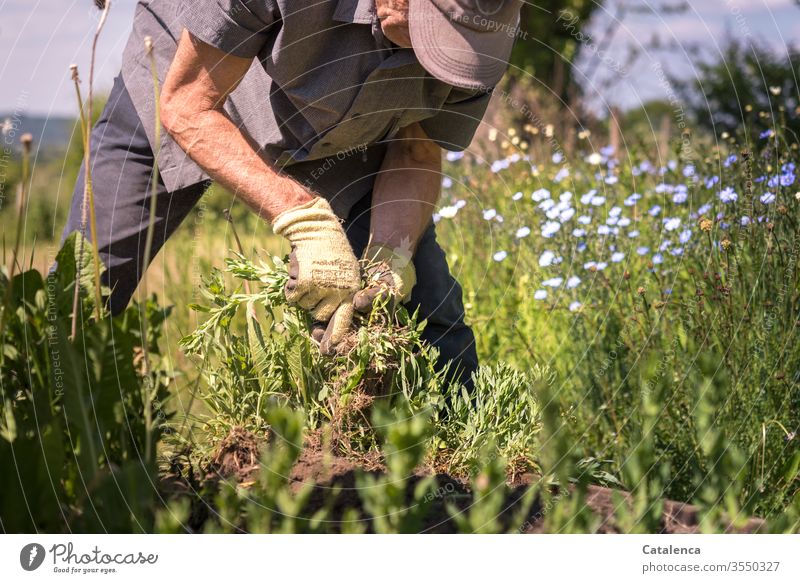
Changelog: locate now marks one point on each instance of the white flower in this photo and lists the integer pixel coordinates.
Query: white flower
(517, 196)
(617, 257)
(566, 215)
(594, 158)
(546, 258)
(499, 256)
(454, 156)
(574, 306)
(672, 224)
(523, 232)
(573, 282)
(562, 174)
(489, 214)
(447, 182)
(540, 294)
(448, 212)
(553, 282)
(540, 195)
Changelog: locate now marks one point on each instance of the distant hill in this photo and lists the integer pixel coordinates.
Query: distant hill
(49, 133)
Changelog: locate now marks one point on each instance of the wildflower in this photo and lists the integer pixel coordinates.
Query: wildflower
(676, 251)
(573, 282)
(546, 258)
(711, 181)
(766, 134)
(447, 182)
(540, 294)
(617, 257)
(550, 228)
(685, 236)
(584, 219)
(578, 233)
(654, 211)
(611, 179)
(594, 158)
(679, 197)
(517, 196)
(489, 214)
(565, 196)
(672, 224)
(540, 195)
(566, 215)
(744, 221)
(688, 170)
(728, 195)
(641, 291)
(601, 265)
(461, 203)
(557, 158)
(597, 200)
(767, 198)
(448, 212)
(631, 200)
(553, 282)
(603, 230)
(615, 211)
(590, 265)
(454, 156)
(658, 259)
(523, 232)
(704, 209)
(642, 250)
(574, 306)
(725, 244)
(499, 256)
(562, 174)
(624, 222)
(706, 225)
(730, 160)
(633, 234)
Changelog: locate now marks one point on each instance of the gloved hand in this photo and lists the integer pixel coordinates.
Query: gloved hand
(323, 271)
(390, 273)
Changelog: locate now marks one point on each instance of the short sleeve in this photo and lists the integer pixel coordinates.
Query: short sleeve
(237, 27)
(454, 126)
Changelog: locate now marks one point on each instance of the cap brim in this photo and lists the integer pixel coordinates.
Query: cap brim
(455, 54)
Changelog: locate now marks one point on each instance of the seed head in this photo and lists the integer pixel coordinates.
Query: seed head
(27, 141)
(148, 44)
(73, 70)
(725, 244)
(706, 225)
(101, 4)
(641, 291)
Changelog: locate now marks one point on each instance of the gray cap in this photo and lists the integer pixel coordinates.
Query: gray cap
(465, 43)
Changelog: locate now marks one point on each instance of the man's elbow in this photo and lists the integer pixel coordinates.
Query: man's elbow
(170, 113)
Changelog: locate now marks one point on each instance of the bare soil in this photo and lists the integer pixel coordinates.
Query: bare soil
(334, 486)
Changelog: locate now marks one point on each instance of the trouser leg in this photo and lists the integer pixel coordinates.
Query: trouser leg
(122, 167)
(437, 296)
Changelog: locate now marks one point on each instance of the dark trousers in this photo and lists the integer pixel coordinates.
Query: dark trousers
(122, 166)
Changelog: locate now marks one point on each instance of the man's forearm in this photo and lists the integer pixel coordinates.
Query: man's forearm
(406, 190)
(193, 114)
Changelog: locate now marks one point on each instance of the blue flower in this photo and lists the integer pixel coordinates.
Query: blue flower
(633, 234)
(447, 182)
(546, 204)
(540, 195)
(658, 259)
(603, 230)
(672, 223)
(566, 215)
(730, 160)
(767, 198)
(573, 282)
(574, 306)
(578, 233)
(454, 156)
(744, 221)
(688, 170)
(677, 251)
(685, 236)
(550, 228)
(601, 265)
(615, 211)
(611, 179)
(679, 197)
(710, 182)
(643, 250)
(787, 179)
(562, 174)
(584, 219)
(728, 195)
(597, 200)
(766, 134)
(704, 209)
(617, 257)
(654, 211)
(553, 282)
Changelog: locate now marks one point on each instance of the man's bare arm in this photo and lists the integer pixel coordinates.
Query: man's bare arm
(199, 81)
(406, 189)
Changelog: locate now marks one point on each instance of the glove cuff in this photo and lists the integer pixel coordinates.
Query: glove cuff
(317, 209)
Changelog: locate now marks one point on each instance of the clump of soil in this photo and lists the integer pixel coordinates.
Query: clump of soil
(237, 455)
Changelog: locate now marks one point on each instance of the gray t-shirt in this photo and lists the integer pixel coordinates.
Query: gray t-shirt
(325, 94)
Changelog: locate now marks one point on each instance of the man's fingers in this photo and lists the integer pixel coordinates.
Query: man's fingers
(338, 326)
(364, 299)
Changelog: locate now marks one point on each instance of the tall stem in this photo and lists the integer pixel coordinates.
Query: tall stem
(79, 259)
(148, 246)
(27, 142)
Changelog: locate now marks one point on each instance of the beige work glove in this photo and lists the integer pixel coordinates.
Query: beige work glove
(323, 271)
(390, 274)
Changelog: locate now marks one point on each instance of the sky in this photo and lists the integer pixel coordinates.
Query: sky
(39, 39)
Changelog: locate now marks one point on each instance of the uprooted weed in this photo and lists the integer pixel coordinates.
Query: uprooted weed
(258, 353)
